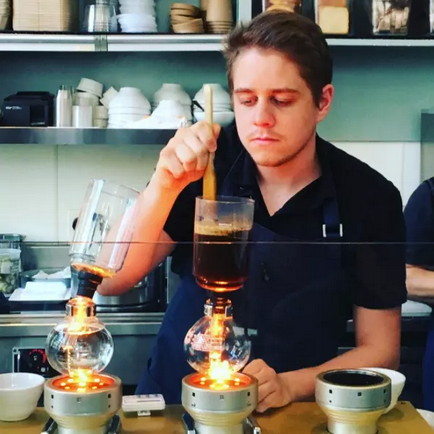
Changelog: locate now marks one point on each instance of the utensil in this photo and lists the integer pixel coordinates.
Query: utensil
(209, 179)
(49, 427)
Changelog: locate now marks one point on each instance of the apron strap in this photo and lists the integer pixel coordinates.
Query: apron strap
(332, 228)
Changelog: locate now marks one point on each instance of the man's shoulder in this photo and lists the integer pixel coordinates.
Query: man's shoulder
(356, 178)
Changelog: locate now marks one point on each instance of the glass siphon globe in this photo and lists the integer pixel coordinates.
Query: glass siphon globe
(80, 342)
(230, 345)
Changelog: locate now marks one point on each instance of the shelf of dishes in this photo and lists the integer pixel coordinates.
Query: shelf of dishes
(83, 136)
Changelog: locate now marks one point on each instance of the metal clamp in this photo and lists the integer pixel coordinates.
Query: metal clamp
(324, 231)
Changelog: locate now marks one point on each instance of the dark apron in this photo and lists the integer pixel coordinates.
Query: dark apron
(294, 305)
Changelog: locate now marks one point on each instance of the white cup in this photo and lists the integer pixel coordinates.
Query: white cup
(82, 116)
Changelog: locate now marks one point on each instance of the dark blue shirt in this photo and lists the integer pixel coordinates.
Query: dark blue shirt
(370, 209)
(419, 217)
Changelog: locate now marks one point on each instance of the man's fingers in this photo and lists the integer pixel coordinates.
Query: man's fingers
(266, 403)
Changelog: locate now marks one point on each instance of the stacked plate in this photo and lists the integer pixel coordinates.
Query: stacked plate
(44, 15)
(128, 106)
(186, 18)
(5, 14)
(137, 16)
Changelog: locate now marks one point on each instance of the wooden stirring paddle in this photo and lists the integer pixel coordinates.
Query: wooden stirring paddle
(209, 178)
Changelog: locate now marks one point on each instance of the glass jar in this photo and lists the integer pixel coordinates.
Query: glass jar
(390, 17)
(333, 16)
(285, 5)
(9, 270)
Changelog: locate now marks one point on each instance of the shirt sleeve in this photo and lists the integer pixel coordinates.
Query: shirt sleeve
(419, 218)
(380, 258)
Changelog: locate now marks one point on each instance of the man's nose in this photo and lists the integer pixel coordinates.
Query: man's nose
(264, 116)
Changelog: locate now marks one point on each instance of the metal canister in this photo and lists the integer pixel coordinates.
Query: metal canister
(11, 241)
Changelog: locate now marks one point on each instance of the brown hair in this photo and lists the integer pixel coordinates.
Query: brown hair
(292, 34)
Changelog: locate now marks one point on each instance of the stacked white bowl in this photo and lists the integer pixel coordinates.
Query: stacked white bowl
(129, 105)
(222, 109)
(88, 92)
(137, 16)
(5, 14)
(173, 92)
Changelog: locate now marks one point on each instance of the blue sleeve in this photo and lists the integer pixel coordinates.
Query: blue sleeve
(419, 219)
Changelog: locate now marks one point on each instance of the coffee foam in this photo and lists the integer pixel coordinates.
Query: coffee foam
(212, 227)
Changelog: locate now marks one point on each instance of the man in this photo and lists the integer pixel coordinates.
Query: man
(419, 217)
(303, 283)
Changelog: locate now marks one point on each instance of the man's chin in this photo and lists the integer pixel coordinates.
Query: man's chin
(269, 161)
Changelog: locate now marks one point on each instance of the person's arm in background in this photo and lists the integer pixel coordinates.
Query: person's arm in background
(419, 216)
(420, 284)
(181, 162)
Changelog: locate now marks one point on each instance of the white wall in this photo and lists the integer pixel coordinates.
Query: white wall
(43, 186)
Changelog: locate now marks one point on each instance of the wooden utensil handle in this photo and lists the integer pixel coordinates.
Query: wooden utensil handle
(209, 178)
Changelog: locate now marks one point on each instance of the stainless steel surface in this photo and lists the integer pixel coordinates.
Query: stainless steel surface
(219, 411)
(86, 136)
(82, 413)
(44, 42)
(162, 42)
(351, 406)
(134, 297)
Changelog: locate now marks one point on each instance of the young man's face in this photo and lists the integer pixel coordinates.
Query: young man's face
(275, 112)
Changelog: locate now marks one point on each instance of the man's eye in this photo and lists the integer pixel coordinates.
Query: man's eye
(282, 103)
(247, 102)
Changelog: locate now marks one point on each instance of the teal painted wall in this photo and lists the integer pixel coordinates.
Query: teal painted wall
(379, 91)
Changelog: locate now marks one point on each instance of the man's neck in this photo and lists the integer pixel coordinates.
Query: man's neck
(279, 184)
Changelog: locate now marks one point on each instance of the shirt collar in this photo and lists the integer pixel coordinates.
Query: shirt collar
(243, 174)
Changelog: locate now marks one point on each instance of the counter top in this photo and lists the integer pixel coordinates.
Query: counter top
(299, 418)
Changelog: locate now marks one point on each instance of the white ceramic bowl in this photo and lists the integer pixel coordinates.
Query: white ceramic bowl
(19, 394)
(85, 99)
(172, 91)
(124, 118)
(220, 96)
(222, 118)
(130, 97)
(91, 86)
(398, 383)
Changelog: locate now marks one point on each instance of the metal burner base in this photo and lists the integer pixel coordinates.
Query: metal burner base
(87, 412)
(113, 427)
(219, 411)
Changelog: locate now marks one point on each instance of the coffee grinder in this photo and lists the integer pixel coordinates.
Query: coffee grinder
(83, 400)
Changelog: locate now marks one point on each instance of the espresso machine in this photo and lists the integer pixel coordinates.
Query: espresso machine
(84, 400)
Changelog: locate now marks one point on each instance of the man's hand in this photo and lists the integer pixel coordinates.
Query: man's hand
(273, 392)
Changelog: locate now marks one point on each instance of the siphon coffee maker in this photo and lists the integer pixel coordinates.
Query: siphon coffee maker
(218, 397)
(83, 400)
